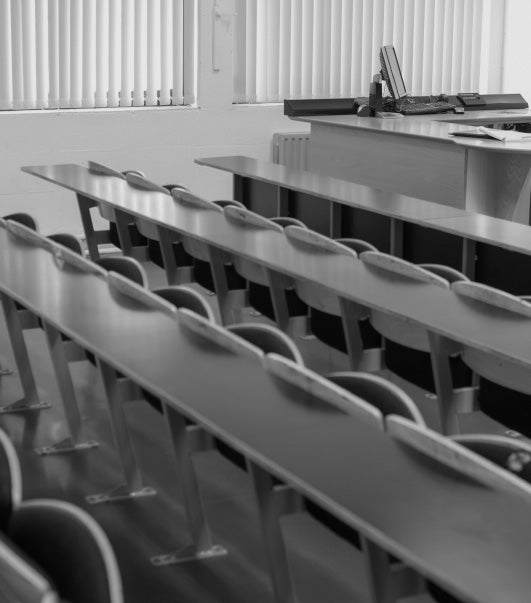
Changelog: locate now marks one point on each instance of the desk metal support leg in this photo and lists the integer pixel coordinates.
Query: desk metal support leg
(202, 546)
(123, 221)
(440, 358)
(56, 347)
(175, 274)
(88, 227)
(230, 301)
(387, 580)
(133, 487)
(272, 504)
(397, 238)
(468, 263)
(30, 401)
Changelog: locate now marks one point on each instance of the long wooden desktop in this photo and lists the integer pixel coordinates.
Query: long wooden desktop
(414, 155)
(472, 539)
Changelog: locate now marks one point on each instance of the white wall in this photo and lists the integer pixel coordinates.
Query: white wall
(517, 52)
(162, 142)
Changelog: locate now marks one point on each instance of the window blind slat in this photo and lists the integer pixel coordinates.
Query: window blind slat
(239, 54)
(307, 48)
(153, 52)
(250, 50)
(335, 48)
(29, 54)
(296, 49)
(188, 42)
(318, 35)
(166, 58)
(114, 60)
(438, 38)
(126, 53)
(76, 53)
(53, 53)
(6, 88)
(284, 49)
(102, 52)
(262, 49)
(346, 46)
(41, 49)
(139, 43)
(16, 54)
(448, 44)
(89, 53)
(64, 53)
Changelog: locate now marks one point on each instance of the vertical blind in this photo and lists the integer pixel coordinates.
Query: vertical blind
(330, 48)
(96, 53)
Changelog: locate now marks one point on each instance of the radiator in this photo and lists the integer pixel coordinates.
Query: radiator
(290, 148)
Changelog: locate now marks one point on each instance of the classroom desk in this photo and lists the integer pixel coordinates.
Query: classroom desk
(414, 155)
(437, 309)
(472, 539)
(418, 230)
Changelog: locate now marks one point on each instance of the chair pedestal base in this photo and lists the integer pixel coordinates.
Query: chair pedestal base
(23, 406)
(119, 493)
(66, 445)
(189, 553)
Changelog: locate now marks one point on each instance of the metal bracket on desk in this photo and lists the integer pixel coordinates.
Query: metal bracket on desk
(188, 553)
(66, 445)
(23, 406)
(119, 493)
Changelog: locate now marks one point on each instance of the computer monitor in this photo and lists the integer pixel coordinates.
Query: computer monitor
(391, 72)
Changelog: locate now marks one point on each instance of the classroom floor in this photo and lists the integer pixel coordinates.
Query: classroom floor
(325, 569)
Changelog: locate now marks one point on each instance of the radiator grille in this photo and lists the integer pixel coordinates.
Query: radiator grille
(290, 149)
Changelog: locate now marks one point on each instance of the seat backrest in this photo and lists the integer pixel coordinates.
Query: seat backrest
(226, 202)
(138, 294)
(446, 272)
(314, 295)
(197, 249)
(328, 397)
(21, 581)
(286, 221)
(269, 339)
(387, 397)
(24, 219)
(143, 183)
(106, 211)
(184, 297)
(128, 267)
(499, 370)
(392, 327)
(511, 454)
(67, 240)
(10, 479)
(70, 547)
(243, 218)
(357, 245)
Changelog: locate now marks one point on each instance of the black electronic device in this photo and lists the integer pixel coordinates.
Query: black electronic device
(392, 73)
(425, 108)
(471, 99)
(316, 106)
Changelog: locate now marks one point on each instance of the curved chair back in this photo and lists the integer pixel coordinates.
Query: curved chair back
(508, 453)
(128, 267)
(391, 327)
(10, 479)
(184, 297)
(357, 245)
(286, 221)
(244, 218)
(67, 240)
(269, 339)
(197, 249)
(24, 219)
(315, 296)
(228, 202)
(70, 547)
(499, 370)
(387, 397)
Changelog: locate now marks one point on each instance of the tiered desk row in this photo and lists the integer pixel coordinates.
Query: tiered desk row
(406, 489)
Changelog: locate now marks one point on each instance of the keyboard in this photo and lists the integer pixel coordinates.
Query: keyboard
(415, 108)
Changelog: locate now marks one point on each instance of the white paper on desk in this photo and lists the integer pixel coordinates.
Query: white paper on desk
(506, 135)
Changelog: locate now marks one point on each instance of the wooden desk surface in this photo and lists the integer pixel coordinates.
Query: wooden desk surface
(478, 227)
(474, 540)
(433, 127)
(438, 309)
